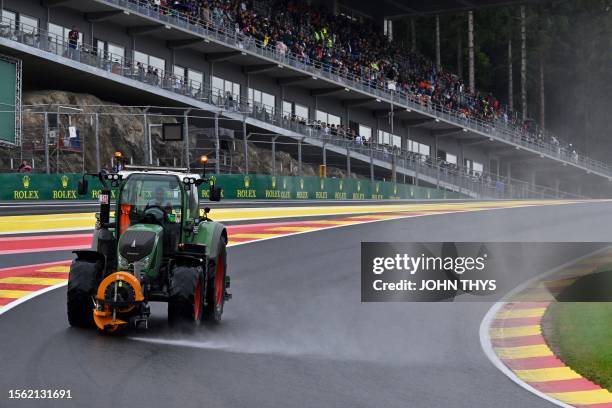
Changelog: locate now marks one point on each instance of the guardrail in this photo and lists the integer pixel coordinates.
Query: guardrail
(20, 186)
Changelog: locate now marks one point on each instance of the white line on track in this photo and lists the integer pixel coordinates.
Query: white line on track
(32, 295)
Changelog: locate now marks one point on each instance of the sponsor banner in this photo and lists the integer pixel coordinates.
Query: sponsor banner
(319, 188)
(22, 187)
(474, 271)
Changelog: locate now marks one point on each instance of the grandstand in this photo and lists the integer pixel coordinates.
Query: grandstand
(323, 84)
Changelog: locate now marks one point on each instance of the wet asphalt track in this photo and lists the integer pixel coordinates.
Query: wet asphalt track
(295, 334)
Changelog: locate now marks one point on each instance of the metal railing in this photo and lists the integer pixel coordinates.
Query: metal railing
(44, 151)
(228, 104)
(226, 33)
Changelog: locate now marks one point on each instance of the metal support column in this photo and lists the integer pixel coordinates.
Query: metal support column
(186, 138)
(348, 162)
(58, 135)
(300, 157)
(217, 144)
(324, 155)
(371, 163)
(97, 141)
(147, 138)
(46, 130)
(274, 155)
(246, 146)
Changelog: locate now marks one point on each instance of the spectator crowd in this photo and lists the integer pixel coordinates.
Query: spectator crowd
(355, 49)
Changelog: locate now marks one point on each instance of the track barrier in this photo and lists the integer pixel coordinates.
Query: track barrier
(24, 187)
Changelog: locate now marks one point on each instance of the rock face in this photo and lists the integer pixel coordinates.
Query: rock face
(121, 129)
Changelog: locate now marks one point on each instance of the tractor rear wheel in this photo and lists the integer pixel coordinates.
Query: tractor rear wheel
(215, 295)
(82, 282)
(186, 295)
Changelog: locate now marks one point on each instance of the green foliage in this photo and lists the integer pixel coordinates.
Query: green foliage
(573, 38)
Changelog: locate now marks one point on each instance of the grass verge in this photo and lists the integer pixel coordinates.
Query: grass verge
(580, 332)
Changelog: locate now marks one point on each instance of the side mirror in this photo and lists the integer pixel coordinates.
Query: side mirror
(214, 193)
(82, 189)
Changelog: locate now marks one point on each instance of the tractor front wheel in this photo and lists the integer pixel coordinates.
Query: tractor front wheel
(186, 297)
(81, 289)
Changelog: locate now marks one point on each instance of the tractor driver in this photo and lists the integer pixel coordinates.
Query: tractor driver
(158, 200)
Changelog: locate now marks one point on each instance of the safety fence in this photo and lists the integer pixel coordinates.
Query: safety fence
(19, 186)
(83, 138)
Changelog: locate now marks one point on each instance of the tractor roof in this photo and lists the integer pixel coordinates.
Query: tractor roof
(181, 173)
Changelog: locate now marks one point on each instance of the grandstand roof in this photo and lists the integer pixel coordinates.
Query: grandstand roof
(400, 8)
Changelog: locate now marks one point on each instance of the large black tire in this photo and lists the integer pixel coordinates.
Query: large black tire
(82, 285)
(186, 294)
(215, 294)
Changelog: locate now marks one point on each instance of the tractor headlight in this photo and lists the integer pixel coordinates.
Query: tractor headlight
(123, 263)
(144, 263)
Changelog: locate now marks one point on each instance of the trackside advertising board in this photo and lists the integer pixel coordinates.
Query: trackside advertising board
(24, 187)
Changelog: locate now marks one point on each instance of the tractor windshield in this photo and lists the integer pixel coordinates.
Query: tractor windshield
(151, 193)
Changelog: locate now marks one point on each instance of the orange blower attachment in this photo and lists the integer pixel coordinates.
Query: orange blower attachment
(117, 296)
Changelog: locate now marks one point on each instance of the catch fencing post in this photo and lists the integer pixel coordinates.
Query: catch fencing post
(97, 137)
(348, 162)
(274, 155)
(186, 137)
(246, 147)
(371, 163)
(147, 137)
(217, 146)
(300, 157)
(46, 130)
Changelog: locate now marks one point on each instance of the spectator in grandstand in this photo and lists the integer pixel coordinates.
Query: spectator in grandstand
(73, 41)
(24, 167)
(349, 48)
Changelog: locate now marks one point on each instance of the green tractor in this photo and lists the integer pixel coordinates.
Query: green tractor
(158, 247)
